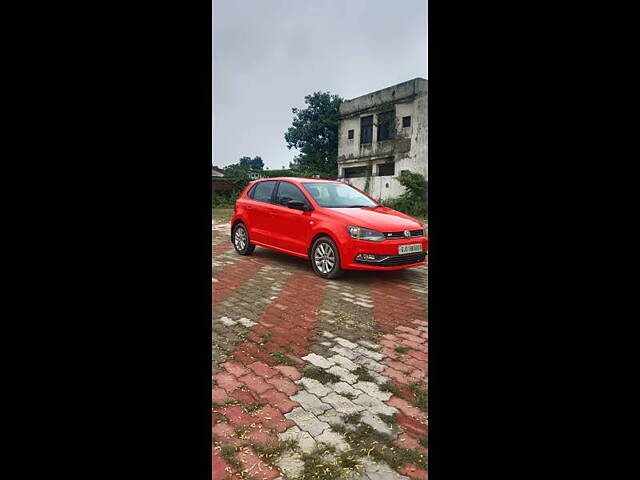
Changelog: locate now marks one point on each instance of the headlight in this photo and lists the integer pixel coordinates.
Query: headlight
(360, 233)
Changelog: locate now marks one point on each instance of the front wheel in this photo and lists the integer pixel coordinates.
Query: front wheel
(241, 240)
(325, 258)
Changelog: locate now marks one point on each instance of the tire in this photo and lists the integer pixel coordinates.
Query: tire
(325, 258)
(241, 242)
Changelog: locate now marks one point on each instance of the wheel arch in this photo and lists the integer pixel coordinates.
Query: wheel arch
(323, 234)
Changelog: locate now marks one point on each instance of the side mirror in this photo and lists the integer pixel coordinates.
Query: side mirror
(298, 205)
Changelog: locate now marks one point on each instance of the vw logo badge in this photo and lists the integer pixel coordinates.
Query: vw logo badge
(407, 233)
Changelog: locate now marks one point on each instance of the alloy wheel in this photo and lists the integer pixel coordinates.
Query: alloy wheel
(325, 258)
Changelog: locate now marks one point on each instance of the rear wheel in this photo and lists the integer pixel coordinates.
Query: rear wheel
(241, 240)
(325, 258)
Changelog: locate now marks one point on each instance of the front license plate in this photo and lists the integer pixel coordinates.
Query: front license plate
(411, 248)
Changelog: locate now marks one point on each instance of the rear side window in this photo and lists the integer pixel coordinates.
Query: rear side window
(262, 191)
(288, 191)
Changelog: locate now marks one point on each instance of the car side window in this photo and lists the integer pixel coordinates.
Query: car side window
(288, 191)
(262, 191)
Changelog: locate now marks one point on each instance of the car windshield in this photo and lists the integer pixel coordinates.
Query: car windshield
(337, 195)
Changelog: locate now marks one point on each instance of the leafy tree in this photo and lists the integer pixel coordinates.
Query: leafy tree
(238, 174)
(255, 163)
(314, 133)
(245, 162)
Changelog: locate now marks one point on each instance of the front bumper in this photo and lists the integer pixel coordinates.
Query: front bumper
(386, 253)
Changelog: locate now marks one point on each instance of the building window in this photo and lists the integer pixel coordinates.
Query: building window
(366, 129)
(350, 134)
(385, 125)
(406, 122)
(386, 169)
(352, 172)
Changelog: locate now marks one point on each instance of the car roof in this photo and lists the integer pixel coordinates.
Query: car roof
(299, 180)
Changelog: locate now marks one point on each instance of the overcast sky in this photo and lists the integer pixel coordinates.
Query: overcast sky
(269, 54)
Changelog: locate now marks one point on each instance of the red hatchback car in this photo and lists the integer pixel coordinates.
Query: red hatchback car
(335, 225)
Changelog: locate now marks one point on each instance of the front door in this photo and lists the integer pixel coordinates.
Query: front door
(290, 226)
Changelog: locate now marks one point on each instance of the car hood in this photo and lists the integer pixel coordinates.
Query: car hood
(381, 219)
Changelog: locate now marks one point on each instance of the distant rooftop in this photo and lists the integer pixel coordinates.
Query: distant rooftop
(405, 91)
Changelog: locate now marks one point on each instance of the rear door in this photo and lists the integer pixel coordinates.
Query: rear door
(291, 226)
(259, 211)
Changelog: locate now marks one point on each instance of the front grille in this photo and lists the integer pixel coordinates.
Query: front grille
(414, 233)
(397, 260)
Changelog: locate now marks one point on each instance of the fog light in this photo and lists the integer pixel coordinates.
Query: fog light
(366, 257)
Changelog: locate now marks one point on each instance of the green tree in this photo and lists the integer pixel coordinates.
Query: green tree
(238, 174)
(314, 133)
(245, 162)
(255, 163)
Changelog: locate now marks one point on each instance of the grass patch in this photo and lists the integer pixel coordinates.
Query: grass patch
(254, 407)
(389, 419)
(282, 359)
(365, 441)
(423, 441)
(228, 403)
(240, 431)
(350, 396)
(228, 452)
(319, 374)
(391, 387)
(363, 374)
(353, 418)
(421, 399)
(318, 467)
(271, 451)
(402, 349)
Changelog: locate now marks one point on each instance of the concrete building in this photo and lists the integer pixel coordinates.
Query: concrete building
(381, 134)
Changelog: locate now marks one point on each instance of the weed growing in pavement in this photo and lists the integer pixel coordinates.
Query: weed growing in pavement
(271, 451)
(421, 399)
(228, 403)
(363, 374)
(402, 349)
(282, 359)
(391, 387)
(366, 441)
(254, 407)
(240, 431)
(319, 374)
(228, 452)
(321, 464)
(423, 441)
(389, 419)
(352, 418)
(350, 396)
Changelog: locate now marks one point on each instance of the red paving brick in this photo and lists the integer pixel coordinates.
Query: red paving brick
(413, 472)
(219, 395)
(271, 417)
(289, 372)
(221, 469)
(284, 385)
(262, 369)
(227, 381)
(279, 400)
(238, 417)
(234, 368)
(255, 383)
(233, 278)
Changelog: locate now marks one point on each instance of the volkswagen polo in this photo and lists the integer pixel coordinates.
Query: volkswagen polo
(333, 224)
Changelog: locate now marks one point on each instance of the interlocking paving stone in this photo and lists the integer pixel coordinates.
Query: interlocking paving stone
(304, 440)
(313, 386)
(333, 439)
(370, 364)
(373, 390)
(368, 353)
(345, 343)
(374, 405)
(343, 362)
(376, 423)
(343, 374)
(310, 402)
(307, 421)
(290, 463)
(342, 387)
(342, 404)
(345, 352)
(317, 360)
